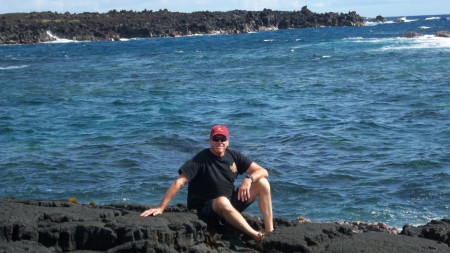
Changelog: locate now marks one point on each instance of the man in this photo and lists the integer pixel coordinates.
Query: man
(211, 175)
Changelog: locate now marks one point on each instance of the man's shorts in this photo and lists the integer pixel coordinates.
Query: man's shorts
(207, 213)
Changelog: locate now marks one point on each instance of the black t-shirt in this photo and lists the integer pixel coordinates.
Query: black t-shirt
(211, 176)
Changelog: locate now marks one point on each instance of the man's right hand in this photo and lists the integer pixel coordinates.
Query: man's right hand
(152, 212)
(170, 193)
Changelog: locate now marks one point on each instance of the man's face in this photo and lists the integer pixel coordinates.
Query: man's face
(219, 143)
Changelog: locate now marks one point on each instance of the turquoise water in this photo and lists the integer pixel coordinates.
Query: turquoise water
(353, 123)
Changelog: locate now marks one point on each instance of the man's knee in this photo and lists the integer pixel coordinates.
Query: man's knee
(222, 204)
(264, 185)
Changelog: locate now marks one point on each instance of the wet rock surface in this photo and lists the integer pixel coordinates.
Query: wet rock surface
(444, 34)
(61, 226)
(37, 27)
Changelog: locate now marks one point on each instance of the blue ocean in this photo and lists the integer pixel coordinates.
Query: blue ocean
(352, 123)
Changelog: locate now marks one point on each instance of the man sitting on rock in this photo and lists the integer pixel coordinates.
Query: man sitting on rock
(211, 175)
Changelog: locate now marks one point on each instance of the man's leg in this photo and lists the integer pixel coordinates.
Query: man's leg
(232, 212)
(223, 207)
(261, 189)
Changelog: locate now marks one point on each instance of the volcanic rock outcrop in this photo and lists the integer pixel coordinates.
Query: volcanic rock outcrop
(62, 226)
(36, 27)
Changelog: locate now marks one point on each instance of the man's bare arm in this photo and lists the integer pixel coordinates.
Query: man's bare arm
(170, 194)
(256, 172)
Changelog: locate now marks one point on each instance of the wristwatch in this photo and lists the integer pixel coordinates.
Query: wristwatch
(249, 176)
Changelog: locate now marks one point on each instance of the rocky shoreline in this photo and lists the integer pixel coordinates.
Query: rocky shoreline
(63, 226)
(37, 27)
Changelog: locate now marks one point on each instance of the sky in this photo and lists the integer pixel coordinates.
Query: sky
(365, 8)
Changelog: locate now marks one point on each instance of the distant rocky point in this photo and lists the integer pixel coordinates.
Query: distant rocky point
(378, 19)
(444, 34)
(412, 35)
(37, 27)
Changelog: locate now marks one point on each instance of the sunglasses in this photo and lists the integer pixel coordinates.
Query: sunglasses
(216, 139)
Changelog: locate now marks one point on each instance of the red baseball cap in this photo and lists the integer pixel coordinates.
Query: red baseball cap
(219, 129)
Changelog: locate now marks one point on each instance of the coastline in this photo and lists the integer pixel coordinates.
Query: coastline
(39, 27)
(63, 226)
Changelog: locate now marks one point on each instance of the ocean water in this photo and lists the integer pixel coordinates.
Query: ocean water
(352, 123)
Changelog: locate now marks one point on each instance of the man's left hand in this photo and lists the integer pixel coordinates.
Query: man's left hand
(244, 190)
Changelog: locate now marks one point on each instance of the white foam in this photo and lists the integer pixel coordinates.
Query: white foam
(372, 40)
(401, 43)
(424, 27)
(14, 67)
(57, 39)
(433, 18)
(354, 38)
(369, 23)
(422, 42)
(404, 20)
(368, 40)
(196, 35)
